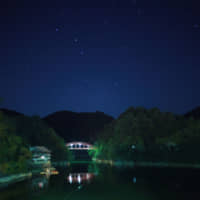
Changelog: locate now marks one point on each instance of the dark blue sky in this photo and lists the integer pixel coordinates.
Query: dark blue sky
(99, 55)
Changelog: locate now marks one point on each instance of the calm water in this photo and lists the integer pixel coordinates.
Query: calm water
(93, 182)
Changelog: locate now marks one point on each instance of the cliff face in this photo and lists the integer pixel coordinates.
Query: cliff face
(78, 126)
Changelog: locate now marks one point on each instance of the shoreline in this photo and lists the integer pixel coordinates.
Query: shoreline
(132, 164)
(167, 165)
(148, 164)
(15, 178)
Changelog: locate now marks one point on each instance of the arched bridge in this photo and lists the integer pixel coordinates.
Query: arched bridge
(79, 146)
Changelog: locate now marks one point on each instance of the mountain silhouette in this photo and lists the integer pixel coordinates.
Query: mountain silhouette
(78, 126)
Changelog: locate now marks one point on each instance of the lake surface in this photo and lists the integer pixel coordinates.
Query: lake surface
(99, 182)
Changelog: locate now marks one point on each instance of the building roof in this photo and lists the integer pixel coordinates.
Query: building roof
(40, 149)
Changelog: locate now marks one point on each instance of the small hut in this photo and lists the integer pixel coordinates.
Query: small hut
(40, 155)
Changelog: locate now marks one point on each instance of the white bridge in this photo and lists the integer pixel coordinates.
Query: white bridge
(79, 146)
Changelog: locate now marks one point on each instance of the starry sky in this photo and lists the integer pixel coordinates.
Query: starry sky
(103, 55)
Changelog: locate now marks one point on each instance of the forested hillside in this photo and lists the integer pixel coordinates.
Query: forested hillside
(20, 132)
(14, 151)
(143, 134)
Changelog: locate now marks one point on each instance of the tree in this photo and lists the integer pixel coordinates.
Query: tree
(14, 153)
(156, 136)
(37, 133)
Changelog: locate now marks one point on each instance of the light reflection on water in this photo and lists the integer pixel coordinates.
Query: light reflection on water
(80, 177)
(40, 182)
(100, 182)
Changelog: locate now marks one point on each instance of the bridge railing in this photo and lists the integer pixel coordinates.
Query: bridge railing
(79, 146)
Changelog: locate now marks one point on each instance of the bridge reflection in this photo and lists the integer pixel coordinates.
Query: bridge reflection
(80, 177)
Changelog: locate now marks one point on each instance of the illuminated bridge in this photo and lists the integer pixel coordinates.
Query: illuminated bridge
(79, 146)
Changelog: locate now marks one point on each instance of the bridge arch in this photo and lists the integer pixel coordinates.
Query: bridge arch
(79, 146)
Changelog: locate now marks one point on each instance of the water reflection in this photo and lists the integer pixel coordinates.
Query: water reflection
(41, 182)
(109, 184)
(49, 171)
(134, 179)
(80, 177)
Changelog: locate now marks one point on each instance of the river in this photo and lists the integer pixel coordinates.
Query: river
(101, 182)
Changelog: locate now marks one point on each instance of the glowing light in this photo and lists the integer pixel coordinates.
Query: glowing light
(79, 178)
(41, 184)
(43, 157)
(133, 146)
(134, 179)
(70, 179)
(54, 172)
(79, 187)
(87, 176)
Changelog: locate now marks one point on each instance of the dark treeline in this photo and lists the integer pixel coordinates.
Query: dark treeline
(14, 152)
(140, 134)
(18, 133)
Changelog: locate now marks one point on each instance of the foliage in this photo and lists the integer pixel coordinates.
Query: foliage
(154, 135)
(37, 133)
(14, 153)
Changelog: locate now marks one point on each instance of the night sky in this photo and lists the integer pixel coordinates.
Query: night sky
(104, 55)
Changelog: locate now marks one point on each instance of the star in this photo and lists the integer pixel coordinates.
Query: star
(140, 11)
(57, 29)
(75, 40)
(116, 84)
(106, 22)
(81, 52)
(196, 26)
(134, 2)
